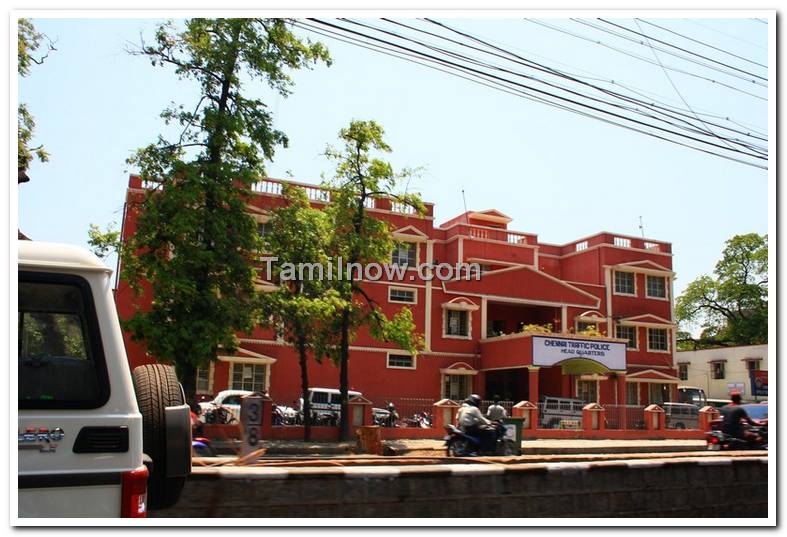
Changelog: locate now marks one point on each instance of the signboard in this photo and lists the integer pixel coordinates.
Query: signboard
(251, 422)
(548, 351)
(736, 386)
(759, 382)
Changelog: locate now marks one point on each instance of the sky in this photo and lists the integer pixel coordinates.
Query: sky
(559, 175)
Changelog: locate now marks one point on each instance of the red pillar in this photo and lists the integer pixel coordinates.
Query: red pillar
(479, 385)
(565, 389)
(532, 373)
(622, 400)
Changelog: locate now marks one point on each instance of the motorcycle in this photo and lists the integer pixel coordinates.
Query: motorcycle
(460, 444)
(219, 415)
(284, 415)
(716, 440)
(385, 417)
(421, 420)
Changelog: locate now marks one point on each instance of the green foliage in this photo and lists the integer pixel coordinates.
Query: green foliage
(731, 308)
(361, 238)
(194, 242)
(29, 41)
(104, 243)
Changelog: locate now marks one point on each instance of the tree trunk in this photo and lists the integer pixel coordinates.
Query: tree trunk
(307, 407)
(187, 376)
(344, 384)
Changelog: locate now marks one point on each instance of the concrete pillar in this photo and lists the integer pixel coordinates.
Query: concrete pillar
(532, 373)
(655, 418)
(529, 412)
(706, 415)
(593, 417)
(443, 413)
(622, 400)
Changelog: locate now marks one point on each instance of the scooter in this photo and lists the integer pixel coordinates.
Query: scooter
(200, 447)
(460, 444)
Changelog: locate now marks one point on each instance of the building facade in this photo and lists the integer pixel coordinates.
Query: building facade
(620, 286)
(719, 371)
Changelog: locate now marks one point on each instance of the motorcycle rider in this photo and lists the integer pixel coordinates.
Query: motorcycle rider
(732, 415)
(496, 412)
(393, 416)
(473, 423)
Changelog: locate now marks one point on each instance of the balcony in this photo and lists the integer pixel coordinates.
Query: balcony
(490, 234)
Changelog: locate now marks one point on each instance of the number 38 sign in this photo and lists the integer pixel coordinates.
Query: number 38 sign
(251, 421)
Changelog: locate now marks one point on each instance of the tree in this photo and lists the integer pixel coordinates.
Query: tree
(361, 238)
(29, 41)
(104, 243)
(301, 307)
(732, 307)
(195, 244)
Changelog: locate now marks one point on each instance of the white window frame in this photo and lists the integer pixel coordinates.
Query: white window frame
(668, 338)
(582, 378)
(400, 353)
(748, 361)
(444, 377)
(469, 323)
(615, 286)
(654, 297)
(210, 380)
(402, 242)
(412, 290)
(636, 335)
(638, 392)
(265, 380)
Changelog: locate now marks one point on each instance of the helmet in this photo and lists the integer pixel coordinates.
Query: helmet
(474, 400)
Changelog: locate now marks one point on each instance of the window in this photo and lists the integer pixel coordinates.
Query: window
(401, 295)
(587, 391)
(683, 371)
(203, 380)
(60, 355)
(404, 254)
(405, 361)
(658, 393)
(582, 326)
(456, 323)
(263, 228)
(457, 387)
(630, 333)
(657, 339)
(655, 287)
(624, 283)
(249, 377)
(621, 241)
(632, 393)
(753, 364)
(496, 327)
(581, 246)
(717, 370)
(651, 246)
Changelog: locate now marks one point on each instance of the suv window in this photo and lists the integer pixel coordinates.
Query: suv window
(336, 398)
(61, 359)
(231, 400)
(319, 397)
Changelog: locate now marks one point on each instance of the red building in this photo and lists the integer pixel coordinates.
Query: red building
(618, 284)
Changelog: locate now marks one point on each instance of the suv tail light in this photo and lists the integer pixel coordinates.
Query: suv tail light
(713, 439)
(134, 494)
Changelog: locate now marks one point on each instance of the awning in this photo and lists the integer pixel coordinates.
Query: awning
(582, 366)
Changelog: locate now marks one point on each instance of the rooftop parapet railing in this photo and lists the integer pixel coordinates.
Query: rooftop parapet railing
(490, 234)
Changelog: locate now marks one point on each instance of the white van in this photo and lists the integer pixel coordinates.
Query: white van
(94, 441)
(325, 400)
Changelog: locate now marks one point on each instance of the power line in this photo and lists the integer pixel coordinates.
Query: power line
(698, 23)
(676, 55)
(627, 53)
(549, 70)
(520, 88)
(702, 43)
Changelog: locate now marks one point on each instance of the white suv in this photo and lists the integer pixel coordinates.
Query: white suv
(85, 450)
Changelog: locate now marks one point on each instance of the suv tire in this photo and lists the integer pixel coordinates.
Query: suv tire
(156, 387)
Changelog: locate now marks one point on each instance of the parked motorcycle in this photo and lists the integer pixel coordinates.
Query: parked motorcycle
(284, 415)
(385, 417)
(421, 420)
(220, 416)
(460, 444)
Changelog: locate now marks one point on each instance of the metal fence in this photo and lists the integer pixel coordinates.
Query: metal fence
(634, 417)
(560, 414)
(411, 410)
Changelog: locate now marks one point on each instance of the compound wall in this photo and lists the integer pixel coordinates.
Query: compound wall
(681, 487)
